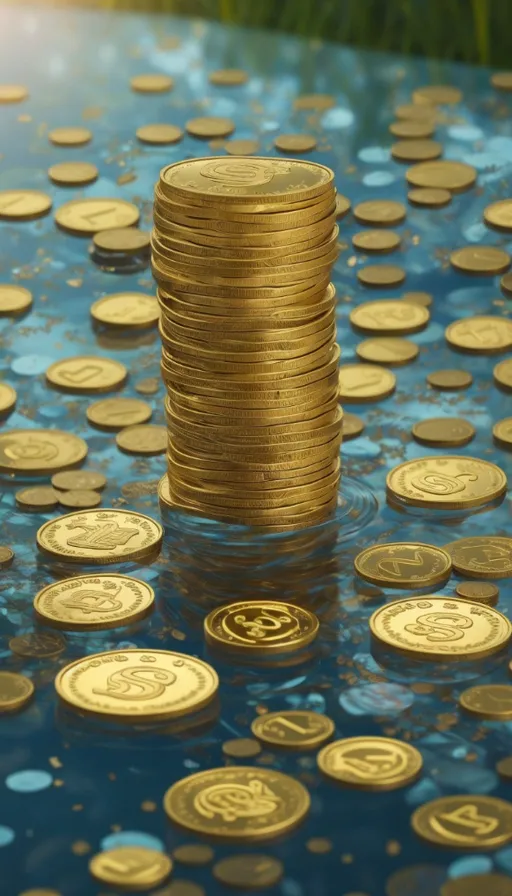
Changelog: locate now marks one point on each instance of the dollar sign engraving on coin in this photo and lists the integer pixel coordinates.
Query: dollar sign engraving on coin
(90, 601)
(242, 173)
(439, 626)
(232, 801)
(134, 683)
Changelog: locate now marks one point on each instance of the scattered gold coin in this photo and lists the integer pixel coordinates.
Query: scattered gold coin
(404, 565)
(293, 729)
(488, 701)
(440, 628)
(249, 872)
(502, 80)
(506, 285)
(122, 239)
(409, 129)
(449, 380)
(261, 628)
(70, 136)
(485, 592)
(159, 134)
(209, 126)
(143, 439)
(72, 174)
(381, 275)
(41, 645)
(84, 217)
(385, 212)
(131, 867)
(430, 197)
(416, 150)
(242, 147)
(8, 398)
(444, 432)
(503, 374)
(492, 884)
(486, 260)
(437, 95)
(295, 142)
(481, 333)
(193, 854)
(482, 557)
(376, 240)
(387, 350)
(468, 821)
(502, 432)
(418, 298)
(13, 93)
(499, 215)
(228, 77)
(73, 479)
(38, 498)
(447, 482)
(100, 536)
(40, 450)
(389, 317)
(79, 497)
(314, 102)
(126, 309)
(23, 205)
(237, 803)
(14, 300)
(6, 557)
(371, 763)
(365, 382)
(504, 768)
(151, 83)
(15, 691)
(352, 426)
(86, 374)
(416, 112)
(342, 206)
(147, 386)
(241, 748)
(453, 176)
(94, 602)
(113, 414)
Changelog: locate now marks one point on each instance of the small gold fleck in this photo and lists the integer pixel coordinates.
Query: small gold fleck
(347, 859)
(319, 845)
(55, 762)
(81, 847)
(127, 177)
(148, 806)
(77, 807)
(58, 782)
(393, 848)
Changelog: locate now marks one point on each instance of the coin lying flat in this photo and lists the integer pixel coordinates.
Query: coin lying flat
(444, 432)
(72, 174)
(128, 240)
(365, 382)
(506, 284)
(143, 439)
(293, 729)
(453, 176)
(79, 498)
(379, 241)
(237, 803)
(260, 627)
(438, 95)
(8, 398)
(73, 479)
(209, 126)
(86, 374)
(404, 565)
(468, 821)
(94, 602)
(440, 628)
(416, 112)
(6, 556)
(486, 260)
(409, 129)
(485, 592)
(241, 748)
(381, 275)
(371, 763)
(40, 498)
(153, 82)
(23, 205)
(502, 80)
(15, 691)
(41, 645)
(449, 482)
(387, 350)
(504, 768)
(352, 426)
(314, 102)
(419, 150)
(502, 432)
(449, 380)
(131, 867)
(137, 685)
(40, 450)
(251, 871)
(14, 300)
(100, 536)
(126, 309)
(429, 197)
(389, 317)
(491, 884)
(70, 136)
(228, 77)
(425, 299)
(195, 854)
(502, 374)
(295, 142)
(13, 93)
(88, 216)
(380, 211)
(342, 206)
(482, 557)
(488, 701)
(117, 413)
(499, 215)
(159, 134)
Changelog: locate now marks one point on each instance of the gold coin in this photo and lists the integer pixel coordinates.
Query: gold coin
(486, 592)
(126, 309)
(480, 260)
(499, 215)
(295, 142)
(131, 867)
(8, 398)
(238, 804)
(159, 134)
(15, 691)
(260, 627)
(381, 275)
(39, 497)
(503, 374)
(122, 239)
(437, 95)
(502, 432)
(376, 240)
(116, 413)
(387, 350)
(409, 129)
(70, 136)
(404, 564)
(137, 685)
(228, 77)
(453, 176)
(151, 83)
(444, 432)
(447, 482)
(365, 382)
(342, 206)
(23, 205)
(504, 769)
(371, 763)
(389, 317)
(241, 748)
(40, 450)
(449, 380)
(491, 884)
(14, 300)
(79, 497)
(97, 602)
(193, 854)
(416, 150)
(506, 285)
(430, 197)
(416, 112)
(481, 333)
(249, 872)
(385, 212)
(72, 174)
(466, 821)
(482, 557)
(12, 93)
(86, 374)
(100, 536)
(79, 479)
(440, 628)
(488, 701)
(143, 439)
(6, 557)
(293, 729)
(209, 126)
(242, 147)
(41, 645)
(147, 386)
(88, 216)
(502, 80)
(352, 426)
(314, 102)
(418, 298)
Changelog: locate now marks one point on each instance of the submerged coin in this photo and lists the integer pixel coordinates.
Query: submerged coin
(376, 240)
(13, 93)
(131, 867)
(352, 426)
(506, 284)
(437, 94)
(488, 701)
(502, 80)
(444, 432)
(381, 275)
(41, 645)
(251, 871)
(39, 497)
(481, 333)
(453, 176)
(416, 112)
(295, 142)
(502, 432)
(238, 803)
(409, 129)
(404, 565)
(365, 382)
(14, 300)
(153, 82)
(261, 627)
(15, 691)
(228, 77)
(486, 592)
(72, 174)
(475, 885)
(486, 260)
(193, 854)
(314, 102)
(94, 602)
(342, 206)
(504, 768)
(371, 763)
(88, 216)
(86, 374)
(416, 150)
(380, 211)
(209, 126)
(73, 479)
(79, 497)
(23, 205)
(6, 557)
(389, 317)
(499, 214)
(70, 136)
(387, 350)
(100, 536)
(450, 482)
(293, 729)
(126, 309)
(503, 374)
(144, 439)
(466, 821)
(8, 398)
(128, 240)
(449, 380)
(241, 748)
(40, 450)
(159, 134)
(117, 413)
(430, 197)
(482, 557)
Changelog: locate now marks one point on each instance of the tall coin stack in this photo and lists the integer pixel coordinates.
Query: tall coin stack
(242, 251)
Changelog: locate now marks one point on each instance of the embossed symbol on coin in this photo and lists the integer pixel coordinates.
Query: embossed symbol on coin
(488, 701)
(105, 536)
(131, 867)
(371, 763)
(94, 602)
(465, 822)
(261, 626)
(448, 481)
(403, 565)
(293, 729)
(483, 557)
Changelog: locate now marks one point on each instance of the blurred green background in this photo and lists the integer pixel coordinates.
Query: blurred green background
(477, 31)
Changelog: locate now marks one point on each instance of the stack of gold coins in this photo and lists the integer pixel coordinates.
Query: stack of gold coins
(242, 250)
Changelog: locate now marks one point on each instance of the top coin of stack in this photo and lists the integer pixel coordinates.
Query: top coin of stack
(242, 252)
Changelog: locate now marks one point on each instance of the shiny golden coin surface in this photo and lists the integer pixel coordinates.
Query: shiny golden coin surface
(79, 498)
(293, 729)
(485, 260)
(502, 80)
(437, 95)
(380, 211)
(238, 804)
(228, 77)
(389, 317)
(126, 309)
(73, 479)
(416, 112)
(502, 432)
(371, 763)
(159, 134)
(73, 174)
(6, 557)
(453, 176)
(504, 768)
(143, 439)
(295, 142)
(15, 691)
(100, 536)
(249, 872)
(209, 126)
(365, 382)
(94, 602)
(153, 82)
(88, 216)
(499, 214)
(440, 628)
(381, 275)
(38, 497)
(352, 426)
(342, 206)
(131, 867)
(193, 854)
(475, 885)
(13, 93)
(503, 374)
(128, 240)
(449, 380)
(314, 102)
(481, 333)
(444, 432)
(466, 821)
(137, 685)
(23, 205)
(242, 147)
(416, 150)
(409, 129)
(448, 482)
(488, 701)
(387, 350)
(8, 398)
(404, 565)
(116, 413)
(86, 374)
(506, 285)
(482, 557)
(418, 298)
(429, 197)
(486, 592)
(40, 450)
(14, 300)
(260, 627)
(41, 645)
(241, 748)
(70, 136)
(376, 241)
